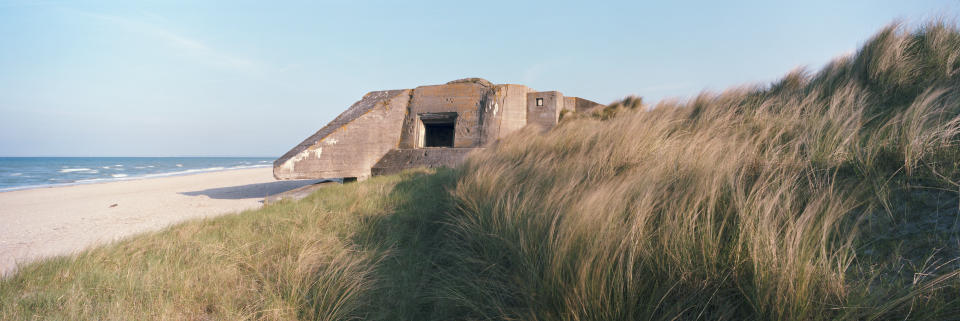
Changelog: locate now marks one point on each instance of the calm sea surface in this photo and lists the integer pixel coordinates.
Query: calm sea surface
(33, 172)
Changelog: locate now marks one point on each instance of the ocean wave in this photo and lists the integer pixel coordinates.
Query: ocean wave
(57, 182)
(16, 174)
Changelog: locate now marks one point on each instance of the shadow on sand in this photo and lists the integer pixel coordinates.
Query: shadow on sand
(260, 190)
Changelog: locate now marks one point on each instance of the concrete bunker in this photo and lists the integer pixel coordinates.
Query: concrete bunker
(428, 126)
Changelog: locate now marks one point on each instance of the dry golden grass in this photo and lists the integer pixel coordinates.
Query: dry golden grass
(750, 204)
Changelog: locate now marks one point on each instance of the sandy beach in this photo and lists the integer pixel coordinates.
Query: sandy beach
(63, 220)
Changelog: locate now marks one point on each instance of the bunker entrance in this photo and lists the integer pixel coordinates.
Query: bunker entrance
(438, 135)
(438, 129)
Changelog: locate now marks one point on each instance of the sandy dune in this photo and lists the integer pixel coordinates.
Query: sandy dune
(63, 220)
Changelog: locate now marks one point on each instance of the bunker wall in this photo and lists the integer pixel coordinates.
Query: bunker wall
(543, 108)
(399, 159)
(570, 103)
(583, 106)
(352, 143)
(514, 109)
(465, 99)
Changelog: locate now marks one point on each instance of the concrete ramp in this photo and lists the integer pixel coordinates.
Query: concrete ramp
(352, 143)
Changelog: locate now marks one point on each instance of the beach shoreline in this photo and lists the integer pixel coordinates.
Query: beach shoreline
(24, 173)
(126, 178)
(61, 220)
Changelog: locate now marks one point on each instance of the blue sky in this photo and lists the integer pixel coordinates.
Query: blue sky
(238, 78)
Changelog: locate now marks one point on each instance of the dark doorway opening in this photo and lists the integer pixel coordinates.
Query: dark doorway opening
(438, 134)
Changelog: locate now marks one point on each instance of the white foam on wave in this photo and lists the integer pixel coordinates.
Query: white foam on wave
(118, 165)
(71, 170)
(179, 165)
(16, 174)
(105, 167)
(118, 175)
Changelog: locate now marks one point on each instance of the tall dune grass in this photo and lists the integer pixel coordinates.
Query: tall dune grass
(749, 204)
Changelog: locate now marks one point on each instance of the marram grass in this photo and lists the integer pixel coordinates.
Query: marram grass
(824, 196)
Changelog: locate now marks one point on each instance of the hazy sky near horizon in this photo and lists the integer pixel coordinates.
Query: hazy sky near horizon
(251, 78)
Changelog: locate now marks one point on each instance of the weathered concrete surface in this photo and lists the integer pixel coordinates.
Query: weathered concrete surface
(585, 106)
(400, 159)
(547, 115)
(385, 132)
(506, 111)
(467, 99)
(570, 103)
(351, 143)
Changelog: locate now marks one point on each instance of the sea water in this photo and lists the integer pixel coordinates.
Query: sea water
(18, 173)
